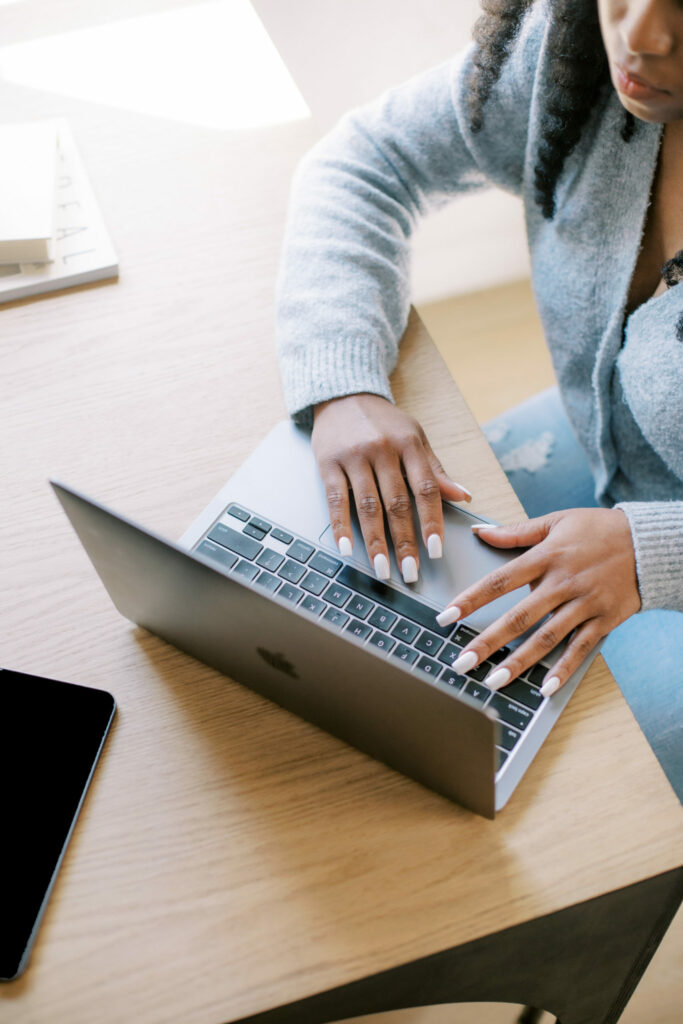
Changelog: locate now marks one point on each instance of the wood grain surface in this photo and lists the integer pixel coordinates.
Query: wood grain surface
(229, 856)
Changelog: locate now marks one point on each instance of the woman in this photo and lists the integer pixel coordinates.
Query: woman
(576, 106)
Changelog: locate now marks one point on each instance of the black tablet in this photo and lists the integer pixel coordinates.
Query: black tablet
(51, 735)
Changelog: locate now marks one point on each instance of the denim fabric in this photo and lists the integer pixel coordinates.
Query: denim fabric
(536, 446)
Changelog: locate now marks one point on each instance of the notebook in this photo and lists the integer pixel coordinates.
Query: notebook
(257, 589)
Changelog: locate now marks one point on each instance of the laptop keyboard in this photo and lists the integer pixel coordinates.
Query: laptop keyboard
(389, 620)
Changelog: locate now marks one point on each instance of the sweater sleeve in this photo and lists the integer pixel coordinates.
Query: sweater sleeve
(343, 294)
(657, 531)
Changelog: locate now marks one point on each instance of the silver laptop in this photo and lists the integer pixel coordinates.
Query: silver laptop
(256, 588)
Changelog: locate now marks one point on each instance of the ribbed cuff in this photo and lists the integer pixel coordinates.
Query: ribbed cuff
(315, 373)
(657, 531)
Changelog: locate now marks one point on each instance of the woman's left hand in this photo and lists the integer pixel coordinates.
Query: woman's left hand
(580, 565)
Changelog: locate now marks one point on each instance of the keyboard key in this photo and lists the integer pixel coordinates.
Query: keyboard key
(479, 692)
(499, 656)
(269, 559)
(359, 629)
(479, 672)
(337, 595)
(400, 603)
(360, 606)
(405, 630)
(234, 541)
(323, 563)
(508, 736)
(245, 569)
(501, 758)
(291, 571)
(290, 592)
(238, 513)
(453, 679)
(382, 619)
(463, 635)
(281, 535)
(523, 693)
(314, 583)
(509, 712)
(217, 554)
(301, 551)
(382, 641)
(428, 643)
(253, 531)
(536, 674)
(403, 653)
(268, 581)
(260, 524)
(336, 617)
(432, 668)
(313, 604)
(450, 653)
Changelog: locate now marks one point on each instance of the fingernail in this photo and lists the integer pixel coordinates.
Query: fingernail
(550, 686)
(345, 547)
(448, 616)
(381, 566)
(484, 526)
(465, 662)
(497, 678)
(434, 546)
(409, 569)
(467, 493)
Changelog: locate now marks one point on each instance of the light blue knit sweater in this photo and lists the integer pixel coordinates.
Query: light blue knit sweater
(343, 292)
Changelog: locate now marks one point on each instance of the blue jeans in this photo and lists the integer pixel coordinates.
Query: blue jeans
(537, 448)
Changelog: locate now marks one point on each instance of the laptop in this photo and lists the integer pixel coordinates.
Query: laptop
(256, 588)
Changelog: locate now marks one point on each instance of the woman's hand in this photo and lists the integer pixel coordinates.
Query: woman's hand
(581, 569)
(366, 443)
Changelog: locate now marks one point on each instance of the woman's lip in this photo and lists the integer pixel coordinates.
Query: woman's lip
(636, 87)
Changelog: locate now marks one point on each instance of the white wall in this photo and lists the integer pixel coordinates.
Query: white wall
(344, 52)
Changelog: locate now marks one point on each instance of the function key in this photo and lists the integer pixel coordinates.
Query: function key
(382, 619)
(323, 563)
(432, 668)
(403, 653)
(313, 604)
(359, 606)
(253, 531)
(404, 630)
(501, 758)
(260, 524)
(337, 595)
(235, 541)
(281, 535)
(508, 736)
(269, 559)
(301, 551)
(428, 643)
(509, 712)
(238, 513)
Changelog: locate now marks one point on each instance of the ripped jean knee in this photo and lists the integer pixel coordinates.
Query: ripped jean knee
(538, 450)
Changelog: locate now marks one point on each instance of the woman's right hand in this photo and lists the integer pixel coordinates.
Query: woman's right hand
(365, 443)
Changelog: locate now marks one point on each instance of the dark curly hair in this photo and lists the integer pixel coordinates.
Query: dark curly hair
(578, 69)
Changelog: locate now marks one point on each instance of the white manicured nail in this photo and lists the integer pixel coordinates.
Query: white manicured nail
(448, 616)
(345, 547)
(381, 566)
(550, 686)
(434, 546)
(409, 569)
(497, 678)
(484, 526)
(465, 662)
(467, 493)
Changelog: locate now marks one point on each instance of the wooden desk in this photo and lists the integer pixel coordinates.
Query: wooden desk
(233, 863)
